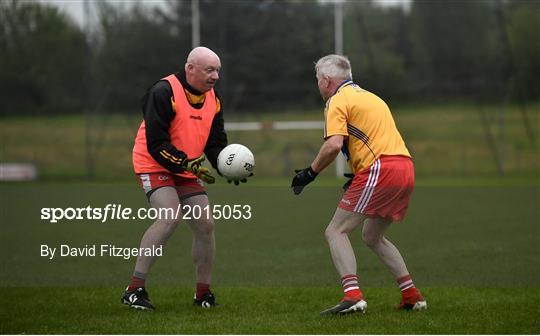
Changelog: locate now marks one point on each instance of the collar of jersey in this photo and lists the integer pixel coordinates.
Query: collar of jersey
(343, 84)
(181, 75)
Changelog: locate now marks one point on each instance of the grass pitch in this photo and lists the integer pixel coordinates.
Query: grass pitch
(473, 251)
(267, 310)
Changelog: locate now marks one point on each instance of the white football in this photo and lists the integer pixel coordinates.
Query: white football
(236, 162)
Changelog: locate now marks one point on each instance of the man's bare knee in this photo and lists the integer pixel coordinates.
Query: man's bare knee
(373, 231)
(330, 233)
(203, 226)
(370, 239)
(168, 224)
(207, 227)
(333, 231)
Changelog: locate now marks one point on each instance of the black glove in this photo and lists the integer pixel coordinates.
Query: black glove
(302, 178)
(348, 183)
(237, 182)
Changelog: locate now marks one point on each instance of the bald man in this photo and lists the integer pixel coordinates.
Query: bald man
(183, 121)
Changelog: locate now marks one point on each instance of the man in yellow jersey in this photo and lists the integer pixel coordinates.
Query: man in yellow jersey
(360, 124)
(183, 121)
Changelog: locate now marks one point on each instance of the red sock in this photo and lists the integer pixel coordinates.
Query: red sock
(202, 289)
(351, 288)
(135, 283)
(406, 285)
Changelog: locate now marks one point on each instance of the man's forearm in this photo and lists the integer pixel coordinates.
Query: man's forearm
(327, 154)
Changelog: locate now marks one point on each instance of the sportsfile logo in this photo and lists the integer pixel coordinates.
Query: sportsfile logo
(110, 211)
(119, 212)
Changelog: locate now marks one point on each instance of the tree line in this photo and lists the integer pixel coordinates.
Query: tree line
(434, 50)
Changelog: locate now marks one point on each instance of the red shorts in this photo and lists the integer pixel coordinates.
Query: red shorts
(382, 190)
(185, 187)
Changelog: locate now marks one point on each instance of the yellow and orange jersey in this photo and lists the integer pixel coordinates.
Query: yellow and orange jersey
(366, 121)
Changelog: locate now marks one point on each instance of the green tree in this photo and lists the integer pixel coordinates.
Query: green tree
(456, 47)
(377, 43)
(134, 49)
(43, 60)
(523, 34)
(267, 49)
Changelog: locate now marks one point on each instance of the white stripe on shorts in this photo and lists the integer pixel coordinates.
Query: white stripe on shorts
(147, 186)
(370, 186)
(364, 192)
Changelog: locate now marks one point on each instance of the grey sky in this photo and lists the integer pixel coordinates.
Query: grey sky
(75, 8)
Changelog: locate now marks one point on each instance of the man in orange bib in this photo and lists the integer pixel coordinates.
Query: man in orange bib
(183, 121)
(360, 124)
